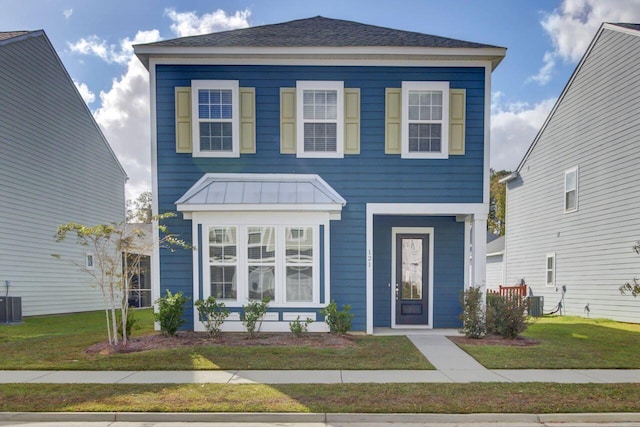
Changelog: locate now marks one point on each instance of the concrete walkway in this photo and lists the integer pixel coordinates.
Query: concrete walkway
(452, 366)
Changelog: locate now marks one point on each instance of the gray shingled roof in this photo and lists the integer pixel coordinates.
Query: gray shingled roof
(629, 26)
(317, 32)
(5, 35)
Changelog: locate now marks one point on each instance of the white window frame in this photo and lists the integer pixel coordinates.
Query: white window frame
(552, 270)
(89, 265)
(234, 85)
(566, 190)
(338, 86)
(431, 86)
(242, 265)
(208, 263)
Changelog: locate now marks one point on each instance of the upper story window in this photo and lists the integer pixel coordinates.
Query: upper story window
(425, 120)
(571, 190)
(320, 124)
(215, 120)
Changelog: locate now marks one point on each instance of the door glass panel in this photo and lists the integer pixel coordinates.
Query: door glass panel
(411, 269)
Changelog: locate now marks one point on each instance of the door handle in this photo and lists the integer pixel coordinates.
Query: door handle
(397, 291)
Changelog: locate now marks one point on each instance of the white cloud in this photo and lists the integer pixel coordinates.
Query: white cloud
(67, 13)
(513, 128)
(85, 92)
(190, 24)
(123, 114)
(572, 26)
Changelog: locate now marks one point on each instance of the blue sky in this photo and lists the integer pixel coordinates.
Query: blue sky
(545, 40)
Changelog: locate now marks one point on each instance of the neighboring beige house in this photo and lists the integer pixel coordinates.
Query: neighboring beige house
(55, 167)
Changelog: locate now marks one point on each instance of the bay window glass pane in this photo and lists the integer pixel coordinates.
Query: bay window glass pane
(222, 245)
(261, 252)
(300, 284)
(262, 282)
(223, 282)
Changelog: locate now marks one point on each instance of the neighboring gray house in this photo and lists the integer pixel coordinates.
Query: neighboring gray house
(495, 265)
(573, 203)
(55, 167)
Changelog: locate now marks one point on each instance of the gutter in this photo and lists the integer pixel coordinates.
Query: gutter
(509, 178)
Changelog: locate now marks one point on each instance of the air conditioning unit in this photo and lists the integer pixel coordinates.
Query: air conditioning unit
(10, 310)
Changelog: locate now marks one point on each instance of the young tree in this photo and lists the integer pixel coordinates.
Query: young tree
(139, 210)
(497, 202)
(116, 249)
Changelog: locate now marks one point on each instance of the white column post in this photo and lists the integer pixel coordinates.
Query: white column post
(479, 252)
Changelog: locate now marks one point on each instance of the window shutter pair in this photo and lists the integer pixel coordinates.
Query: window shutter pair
(184, 140)
(288, 121)
(393, 122)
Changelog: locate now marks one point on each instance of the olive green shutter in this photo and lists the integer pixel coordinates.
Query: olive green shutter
(393, 122)
(247, 120)
(183, 120)
(352, 121)
(287, 120)
(457, 107)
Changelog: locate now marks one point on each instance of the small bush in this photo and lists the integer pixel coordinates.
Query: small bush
(170, 312)
(212, 313)
(132, 323)
(298, 328)
(339, 321)
(473, 315)
(252, 315)
(506, 315)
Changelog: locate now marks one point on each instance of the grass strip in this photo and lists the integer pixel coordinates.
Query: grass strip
(338, 398)
(567, 342)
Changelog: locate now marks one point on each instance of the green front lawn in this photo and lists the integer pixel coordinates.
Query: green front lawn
(567, 343)
(59, 342)
(322, 398)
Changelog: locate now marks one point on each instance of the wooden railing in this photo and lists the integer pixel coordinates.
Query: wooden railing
(509, 291)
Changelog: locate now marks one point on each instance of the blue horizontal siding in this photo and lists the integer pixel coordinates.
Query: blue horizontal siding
(370, 177)
(448, 273)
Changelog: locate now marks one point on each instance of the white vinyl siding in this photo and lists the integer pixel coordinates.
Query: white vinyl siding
(215, 118)
(55, 167)
(571, 190)
(320, 124)
(595, 128)
(425, 120)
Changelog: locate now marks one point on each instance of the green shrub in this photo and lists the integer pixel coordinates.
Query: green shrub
(132, 323)
(252, 315)
(473, 314)
(506, 315)
(298, 328)
(339, 321)
(170, 312)
(212, 314)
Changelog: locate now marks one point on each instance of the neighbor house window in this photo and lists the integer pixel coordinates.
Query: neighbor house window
(223, 262)
(276, 262)
(551, 270)
(215, 106)
(571, 190)
(425, 119)
(320, 108)
(89, 261)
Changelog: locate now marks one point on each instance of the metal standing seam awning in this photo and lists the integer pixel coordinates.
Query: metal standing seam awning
(260, 192)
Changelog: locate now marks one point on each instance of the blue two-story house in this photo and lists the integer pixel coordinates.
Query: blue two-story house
(320, 160)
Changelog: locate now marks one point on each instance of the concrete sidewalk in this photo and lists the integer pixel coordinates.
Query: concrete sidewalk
(452, 366)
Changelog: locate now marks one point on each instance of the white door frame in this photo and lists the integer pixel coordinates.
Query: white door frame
(411, 230)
